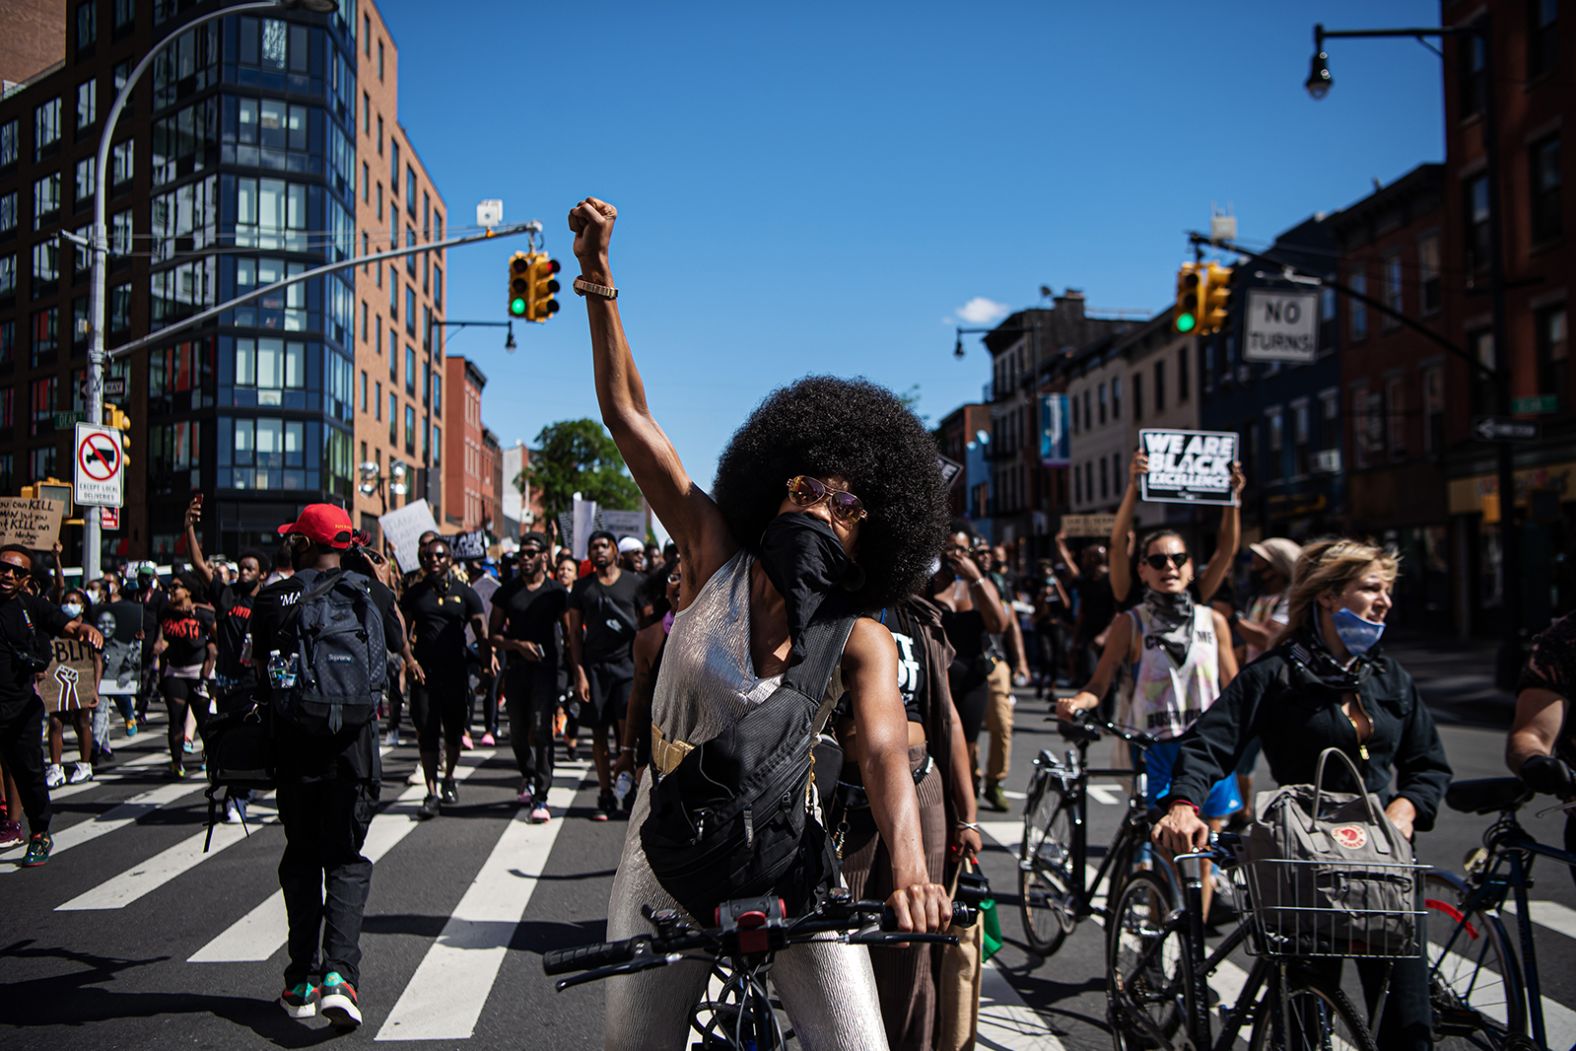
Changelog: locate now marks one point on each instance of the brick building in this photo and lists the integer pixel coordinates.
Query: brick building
(467, 477)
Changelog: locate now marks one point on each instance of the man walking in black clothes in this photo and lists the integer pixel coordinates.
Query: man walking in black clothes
(26, 623)
(439, 607)
(526, 614)
(327, 785)
(603, 617)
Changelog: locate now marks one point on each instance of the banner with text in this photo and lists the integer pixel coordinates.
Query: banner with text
(1188, 467)
(71, 680)
(467, 546)
(35, 524)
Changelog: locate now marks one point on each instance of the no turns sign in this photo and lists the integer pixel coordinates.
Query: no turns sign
(98, 468)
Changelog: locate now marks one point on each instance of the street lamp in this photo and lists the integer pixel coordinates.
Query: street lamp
(373, 480)
(1509, 660)
(91, 536)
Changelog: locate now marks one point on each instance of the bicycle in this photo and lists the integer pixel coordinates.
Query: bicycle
(1158, 970)
(1055, 892)
(740, 949)
(1483, 995)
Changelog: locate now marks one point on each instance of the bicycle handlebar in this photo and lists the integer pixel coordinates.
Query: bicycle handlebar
(1088, 727)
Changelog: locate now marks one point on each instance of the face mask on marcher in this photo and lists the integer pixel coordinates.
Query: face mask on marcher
(72, 609)
(1357, 634)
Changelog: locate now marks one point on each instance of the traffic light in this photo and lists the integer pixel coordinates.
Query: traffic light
(519, 284)
(116, 418)
(1217, 298)
(543, 287)
(1189, 297)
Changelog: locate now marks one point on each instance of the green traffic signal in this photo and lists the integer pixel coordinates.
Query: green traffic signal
(517, 306)
(1185, 322)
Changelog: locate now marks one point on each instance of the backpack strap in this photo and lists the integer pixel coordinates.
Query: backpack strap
(824, 639)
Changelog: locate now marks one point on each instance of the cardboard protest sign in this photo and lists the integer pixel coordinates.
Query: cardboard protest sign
(35, 524)
(467, 546)
(623, 523)
(1088, 525)
(403, 528)
(71, 681)
(120, 623)
(1188, 467)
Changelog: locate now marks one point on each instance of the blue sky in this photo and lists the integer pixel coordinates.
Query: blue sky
(827, 188)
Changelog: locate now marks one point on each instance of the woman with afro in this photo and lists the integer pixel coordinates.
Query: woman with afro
(830, 487)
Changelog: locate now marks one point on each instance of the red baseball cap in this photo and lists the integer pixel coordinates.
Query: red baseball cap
(325, 524)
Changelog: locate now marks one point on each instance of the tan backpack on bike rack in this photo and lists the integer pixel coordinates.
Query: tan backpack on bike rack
(1328, 874)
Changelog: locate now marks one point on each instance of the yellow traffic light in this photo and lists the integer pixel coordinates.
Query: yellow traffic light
(1189, 298)
(519, 285)
(115, 417)
(543, 287)
(1216, 311)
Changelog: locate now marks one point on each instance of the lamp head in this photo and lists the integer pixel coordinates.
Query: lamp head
(509, 343)
(1319, 79)
(957, 349)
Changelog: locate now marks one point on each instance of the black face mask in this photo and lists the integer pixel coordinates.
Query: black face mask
(805, 562)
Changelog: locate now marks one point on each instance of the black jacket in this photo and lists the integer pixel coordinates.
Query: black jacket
(1279, 700)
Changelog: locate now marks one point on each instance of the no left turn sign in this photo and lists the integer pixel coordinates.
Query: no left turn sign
(99, 475)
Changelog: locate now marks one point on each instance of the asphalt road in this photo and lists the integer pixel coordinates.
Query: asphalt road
(132, 938)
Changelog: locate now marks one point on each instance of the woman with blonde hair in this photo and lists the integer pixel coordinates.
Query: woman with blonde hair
(1328, 684)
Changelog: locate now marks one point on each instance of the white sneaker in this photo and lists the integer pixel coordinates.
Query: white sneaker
(416, 777)
(79, 773)
(232, 813)
(54, 776)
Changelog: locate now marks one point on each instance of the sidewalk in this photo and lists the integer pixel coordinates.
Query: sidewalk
(1455, 678)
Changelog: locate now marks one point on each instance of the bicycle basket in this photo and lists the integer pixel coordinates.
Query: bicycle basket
(1328, 875)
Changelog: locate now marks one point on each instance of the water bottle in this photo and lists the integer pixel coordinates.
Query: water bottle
(622, 787)
(281, 672)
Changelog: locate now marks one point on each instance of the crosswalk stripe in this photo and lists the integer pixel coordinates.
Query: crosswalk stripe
(259, 934)
(106, 776)
(1006, 1022)
(1105, 794)
(1550, 914)
(117, 817)
(445, 996)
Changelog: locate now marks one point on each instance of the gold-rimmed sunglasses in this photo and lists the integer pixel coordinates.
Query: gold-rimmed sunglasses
(807, 492)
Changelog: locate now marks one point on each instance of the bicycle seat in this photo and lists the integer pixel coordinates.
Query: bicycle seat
(1487, 795)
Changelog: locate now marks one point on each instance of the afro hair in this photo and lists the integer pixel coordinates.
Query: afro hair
(822, 426)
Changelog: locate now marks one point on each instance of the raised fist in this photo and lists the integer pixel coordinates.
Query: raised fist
(591, 221)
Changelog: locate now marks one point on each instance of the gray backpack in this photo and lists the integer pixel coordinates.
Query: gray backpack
(336, 635)
(1328, 874)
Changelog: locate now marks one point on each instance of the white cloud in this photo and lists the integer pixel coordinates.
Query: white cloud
(982, 311)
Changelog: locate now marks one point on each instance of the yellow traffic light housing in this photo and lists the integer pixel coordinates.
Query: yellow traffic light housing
(1190, 299)
(543, 287)
(1216, 310)
(519, 285)
(115, 417)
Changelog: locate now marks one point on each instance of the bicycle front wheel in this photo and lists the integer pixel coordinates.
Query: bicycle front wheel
(1318, 1017)
(1473, 981)
(1146, 965)
(1045, 870)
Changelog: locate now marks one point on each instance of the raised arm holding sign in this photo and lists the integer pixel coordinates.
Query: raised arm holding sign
(1226, 541)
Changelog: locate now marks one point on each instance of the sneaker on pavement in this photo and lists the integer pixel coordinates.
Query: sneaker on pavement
(177, 771)
(38, 847)
(540, 814)
(232, 812)
(392, 739)
(187, 746)
(337, 1002)
(300, 1000)
(131, 728)
(605, 807)
(451, 792)
(429, 807)
(996, 799)
(80, 772)
(54, 775)
(569, 751)
(416, 776)
(526, 796)
(11, 835)
(465, 741)
(488, 740)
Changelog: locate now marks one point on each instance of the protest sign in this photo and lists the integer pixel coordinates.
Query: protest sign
(1088, 525)
(71, 680)
(950, 470)
(582, 524)
(402, 530)
(1188, 467)
(120, 623)
(35, 524)
(623, 523)
(466, 546)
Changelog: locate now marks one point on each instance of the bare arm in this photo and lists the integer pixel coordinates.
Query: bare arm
(208, 660)
(572, 631)
(1261, 634)
(1539, 714)
(1066, 556)
(688, 513)
(57, 587)
(647, 645)
(1226, 541)
(1226, 656)
(981, 591)
(1118, 646)
(1121, 556)
(193, 545)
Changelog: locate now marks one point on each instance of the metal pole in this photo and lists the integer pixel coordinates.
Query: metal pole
(91, 534)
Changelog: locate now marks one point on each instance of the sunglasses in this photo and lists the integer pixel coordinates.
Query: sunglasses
(8, 569)
(675, 577)
(530, 552)
(434, 556)
(1158, 562)
(807, 492)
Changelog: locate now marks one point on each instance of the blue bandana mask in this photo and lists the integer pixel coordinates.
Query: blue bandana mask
(1357, 635)
(72, 610)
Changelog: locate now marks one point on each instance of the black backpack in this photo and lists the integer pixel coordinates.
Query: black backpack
(732, 821)
(341, 664)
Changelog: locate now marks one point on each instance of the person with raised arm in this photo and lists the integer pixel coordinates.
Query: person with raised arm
(1226, 540)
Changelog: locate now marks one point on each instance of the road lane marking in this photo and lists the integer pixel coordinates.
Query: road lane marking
(107, 776)
(1006, 1022)
(445, 997)
(1106, 794)
(118, 817)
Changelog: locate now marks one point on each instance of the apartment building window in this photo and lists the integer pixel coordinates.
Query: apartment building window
(8, 143)
(1427, 274)
(393, 419)
(437, 285)
(393, 166)
(1160, 387)
(1434, 410)
(410, 430)
(1101, 401)
(410, 189)
(1481, 344)
(1073, 402)
(1358, 282)
(426, 327)
(410, 311)
(380, 60)
(87, 24)
(46, 333)
(87, 103)
(363, 407)
(1392, 288)
(366, 46)
(410, 370)
(1553, 348)
(85, 181)
(1476, 212)
(1395, 416)
(394, 291)
(377, 400)
(7, 342)
(41, 419)
(377, 336)
(46, 266)
(1182, 375)
(1138, 396)
(1077, 486)
(122, 158)
(1088, 406)
(1544, 168)
(410, 242)
(1105, 474)
(7, 275)
(437, 445)
(125, 15)
(120, 308)
(46, 128)
(271, 364)
(1543, 42)
(46, 199)
(1470, 55)
(1116, 397)
(41, 462)
(380, 135)
(7, 410)
(437, 394)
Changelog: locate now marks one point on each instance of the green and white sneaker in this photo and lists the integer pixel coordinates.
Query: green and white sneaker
(300, 1000)
(337, 1002)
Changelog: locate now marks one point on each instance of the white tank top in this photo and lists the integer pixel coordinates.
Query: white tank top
(1167, 698)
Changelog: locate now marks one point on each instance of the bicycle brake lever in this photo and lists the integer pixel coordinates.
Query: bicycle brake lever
(632, 967)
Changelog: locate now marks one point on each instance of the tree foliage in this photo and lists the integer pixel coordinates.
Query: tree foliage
(578, 456)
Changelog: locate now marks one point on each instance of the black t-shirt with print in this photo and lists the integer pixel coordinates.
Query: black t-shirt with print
(232, 607)
(439, 612)
(186, 636)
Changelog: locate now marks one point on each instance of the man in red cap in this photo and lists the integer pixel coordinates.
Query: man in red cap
(328, 782)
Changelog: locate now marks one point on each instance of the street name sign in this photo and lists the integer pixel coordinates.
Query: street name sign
(1283, 325)
(1535, 405)
(1499, 429)
(98, 468)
